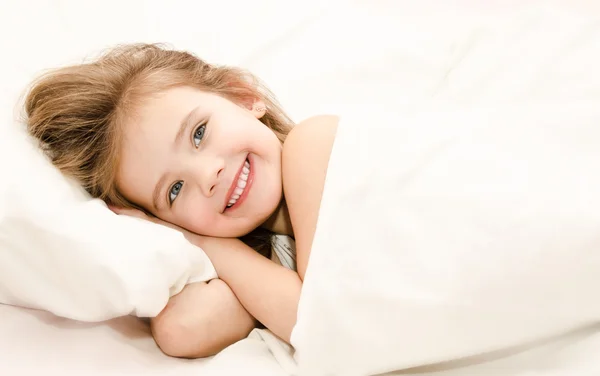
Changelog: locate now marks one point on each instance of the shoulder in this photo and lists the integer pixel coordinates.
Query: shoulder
(308, 145)
(316, 126)
(305, 158)
(309, 142)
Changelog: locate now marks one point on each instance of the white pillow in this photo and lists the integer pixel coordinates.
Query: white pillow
(66, 253)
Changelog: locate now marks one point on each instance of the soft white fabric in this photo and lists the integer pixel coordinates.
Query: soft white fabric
(34, 342)
(316, 56)
(67, 254)
(465, 221)
(284, 251)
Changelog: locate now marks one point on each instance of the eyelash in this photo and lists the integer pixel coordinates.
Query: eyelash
(180, 183)
(199, 127)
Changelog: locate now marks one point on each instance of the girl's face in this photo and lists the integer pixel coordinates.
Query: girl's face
(201, 162)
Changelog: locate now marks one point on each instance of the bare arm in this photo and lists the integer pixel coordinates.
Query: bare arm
(207, 317)
(267, 290)
(201, 320)
(305, 157)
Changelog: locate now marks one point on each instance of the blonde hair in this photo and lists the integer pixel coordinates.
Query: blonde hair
(77, 112)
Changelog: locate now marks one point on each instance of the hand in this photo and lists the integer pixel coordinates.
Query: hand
(141, 215)
(192, 237)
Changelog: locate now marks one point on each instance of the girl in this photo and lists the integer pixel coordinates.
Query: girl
(163, 135)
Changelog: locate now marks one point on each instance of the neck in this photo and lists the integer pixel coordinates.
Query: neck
(280, 222)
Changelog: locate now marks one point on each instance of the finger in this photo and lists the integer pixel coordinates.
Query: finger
(128, 211)
(134, 213)
(114, 208)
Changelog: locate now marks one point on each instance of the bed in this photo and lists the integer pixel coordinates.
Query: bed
(462, 63)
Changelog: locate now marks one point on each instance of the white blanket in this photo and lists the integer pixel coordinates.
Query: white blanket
(467, 223)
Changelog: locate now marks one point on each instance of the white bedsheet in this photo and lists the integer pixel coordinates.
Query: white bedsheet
(32, 341)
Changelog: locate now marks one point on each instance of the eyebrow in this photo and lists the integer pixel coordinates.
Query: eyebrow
(185, 124)
(156, 193)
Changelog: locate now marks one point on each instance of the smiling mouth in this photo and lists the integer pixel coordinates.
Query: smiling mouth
(241, 184)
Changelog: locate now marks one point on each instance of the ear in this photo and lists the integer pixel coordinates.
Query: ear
(259, 109)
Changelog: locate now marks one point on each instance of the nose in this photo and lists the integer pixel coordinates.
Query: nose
(208, 171)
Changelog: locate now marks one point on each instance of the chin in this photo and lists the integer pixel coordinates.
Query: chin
(241, 232)
(248, 228)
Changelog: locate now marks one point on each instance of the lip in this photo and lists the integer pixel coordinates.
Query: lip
(234, 185)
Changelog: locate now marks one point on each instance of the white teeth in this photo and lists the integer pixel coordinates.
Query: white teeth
(241, 184)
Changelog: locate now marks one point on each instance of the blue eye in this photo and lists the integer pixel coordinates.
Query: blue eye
(174, 191)
(199, 135)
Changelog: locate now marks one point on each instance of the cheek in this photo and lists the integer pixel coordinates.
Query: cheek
(216, 225)
(196, 216)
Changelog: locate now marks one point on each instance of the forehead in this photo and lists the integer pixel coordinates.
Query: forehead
(169, 102)
(156, 117)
